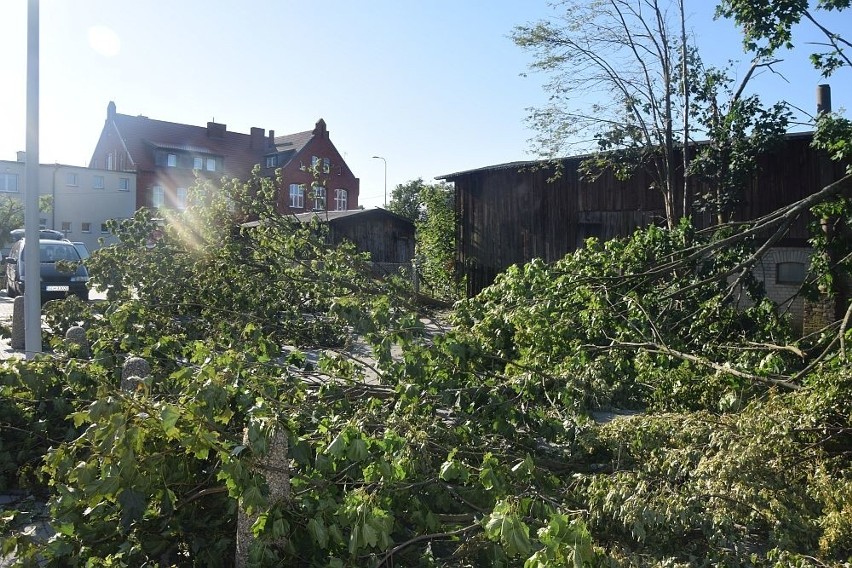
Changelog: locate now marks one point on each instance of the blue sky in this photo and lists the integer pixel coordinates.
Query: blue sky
(433, 86)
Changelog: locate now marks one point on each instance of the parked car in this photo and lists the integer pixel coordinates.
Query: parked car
(55, 283)
(18, 234)
(82, 249)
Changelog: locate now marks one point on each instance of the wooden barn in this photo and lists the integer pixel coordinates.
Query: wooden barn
(511, 213)
(388, 237)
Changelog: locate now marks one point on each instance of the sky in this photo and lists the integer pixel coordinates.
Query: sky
(432, 86)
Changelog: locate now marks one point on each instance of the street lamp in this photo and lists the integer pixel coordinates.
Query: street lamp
(386, 177)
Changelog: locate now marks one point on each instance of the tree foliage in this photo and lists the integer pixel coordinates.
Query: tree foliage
(432, 208)
(768, 27)
(624, 406)
(481, 445)
(12, 214)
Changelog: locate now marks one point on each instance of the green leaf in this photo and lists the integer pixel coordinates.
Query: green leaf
(133, 506)
(317, 530)
(169, 416)
(357, 450)
(337, 447)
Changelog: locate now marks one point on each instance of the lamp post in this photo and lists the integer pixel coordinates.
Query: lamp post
(386, 177)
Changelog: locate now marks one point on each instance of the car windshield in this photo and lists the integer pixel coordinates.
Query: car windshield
(54, 252)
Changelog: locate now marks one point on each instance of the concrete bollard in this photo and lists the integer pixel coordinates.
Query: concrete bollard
(18, 324)
(275, 469)
(76, 336)
(132, 372)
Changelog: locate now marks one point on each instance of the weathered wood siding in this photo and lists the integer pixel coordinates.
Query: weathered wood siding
(511, 214)
(387, 239)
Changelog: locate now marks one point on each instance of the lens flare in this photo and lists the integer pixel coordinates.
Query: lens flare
(104, 41)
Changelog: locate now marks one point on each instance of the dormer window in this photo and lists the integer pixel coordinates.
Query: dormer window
(197, 163)
(272, 161)
(171, 160)
(211, 164)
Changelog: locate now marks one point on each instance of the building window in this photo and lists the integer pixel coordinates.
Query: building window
(211, 164)
(71, 179)
(181, 197)
(104, 229)
(85, 227)
(790, 273)
(197, 163)
(66, 227)
(341, 199)
(315, 163)
(124, 184)
(9, 183)
(297, 196)
(326, 165)
(271, 161)
(158, 196)
(319, 197)
(171, 160)
(97, 182)
(110, 161)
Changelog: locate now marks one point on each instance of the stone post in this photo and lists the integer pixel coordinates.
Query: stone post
(132, 372)
(275, 469)
(76, 336)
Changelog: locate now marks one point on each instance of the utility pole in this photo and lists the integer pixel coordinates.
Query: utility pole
(32, 276)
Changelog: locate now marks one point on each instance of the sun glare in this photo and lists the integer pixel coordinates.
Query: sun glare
(104, 41)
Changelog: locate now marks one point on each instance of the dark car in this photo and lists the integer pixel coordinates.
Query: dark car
(57, 281)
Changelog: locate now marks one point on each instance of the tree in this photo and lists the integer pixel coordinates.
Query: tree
(12, 214)
(436, 241)
(662, 99)
(432, 208)
(624, 52)
(739, 129)
(406, 200)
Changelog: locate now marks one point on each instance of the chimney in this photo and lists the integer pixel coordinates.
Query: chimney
(823, 98)
(257, 135)
(272, 138)
(215, 130)
(111, 111)
(320, 129)
(22, 156)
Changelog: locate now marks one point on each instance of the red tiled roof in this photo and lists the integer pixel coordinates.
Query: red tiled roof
(141, 134)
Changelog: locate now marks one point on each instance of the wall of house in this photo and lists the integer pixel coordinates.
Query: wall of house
(84, 199)
(388, 240)
(509, 215)
(780, 286)
(339, 176)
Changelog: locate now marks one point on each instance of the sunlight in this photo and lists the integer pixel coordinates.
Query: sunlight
(104, 41)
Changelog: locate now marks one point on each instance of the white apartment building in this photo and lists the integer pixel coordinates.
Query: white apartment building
(84, 199)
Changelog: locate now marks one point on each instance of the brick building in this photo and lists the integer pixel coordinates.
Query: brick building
(167, 157)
